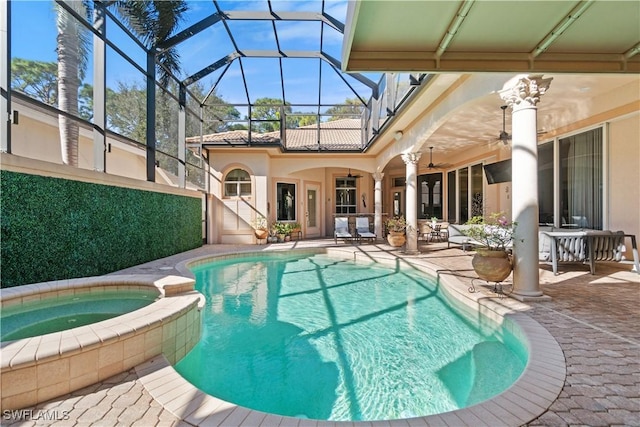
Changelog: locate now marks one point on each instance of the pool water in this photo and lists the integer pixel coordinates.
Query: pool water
(325, 338)
(58, 314)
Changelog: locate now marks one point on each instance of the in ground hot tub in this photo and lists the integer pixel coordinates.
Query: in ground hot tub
(162, 318)
(59, 313)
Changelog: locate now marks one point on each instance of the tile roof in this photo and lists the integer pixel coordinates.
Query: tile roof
(342, 134)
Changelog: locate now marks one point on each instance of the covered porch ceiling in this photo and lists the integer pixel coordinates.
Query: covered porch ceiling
(525, 36)
(590, 48)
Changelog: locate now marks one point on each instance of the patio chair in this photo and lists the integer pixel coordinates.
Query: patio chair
(341, 229)
(362, 229)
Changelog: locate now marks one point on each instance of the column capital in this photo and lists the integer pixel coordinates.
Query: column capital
(411, 158)
(525, 91)
(377, 176)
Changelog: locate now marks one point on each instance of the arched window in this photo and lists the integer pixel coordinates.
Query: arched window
(237, 183)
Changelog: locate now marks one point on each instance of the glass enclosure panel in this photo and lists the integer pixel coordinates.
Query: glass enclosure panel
(299, 35)
(268, 88)
(451, 196)
(23, 14)
(126, 98)
(195, 176)
(477, 196)
(301, 88)
(166, 123)
(253, 34)
(38, 59)
(286, 199)
(546, 211)
(581, 180)
(133, 50)
(169, 166)
(463, 195)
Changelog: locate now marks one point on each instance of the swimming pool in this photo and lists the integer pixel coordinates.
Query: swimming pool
(315, 336)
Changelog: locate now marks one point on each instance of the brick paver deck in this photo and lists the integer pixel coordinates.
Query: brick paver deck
(594, 319)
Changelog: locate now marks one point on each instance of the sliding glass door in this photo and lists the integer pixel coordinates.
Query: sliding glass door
(581, 180)
(576, 199)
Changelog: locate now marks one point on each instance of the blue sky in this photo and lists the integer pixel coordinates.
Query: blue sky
(34, 32)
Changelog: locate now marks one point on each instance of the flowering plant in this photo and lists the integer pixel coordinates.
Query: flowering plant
(260, 223)
(495, 232)
(396, 223)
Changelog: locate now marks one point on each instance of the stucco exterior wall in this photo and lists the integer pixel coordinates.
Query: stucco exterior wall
(623, 181)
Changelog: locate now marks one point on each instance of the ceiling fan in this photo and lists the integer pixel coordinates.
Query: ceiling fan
(505, 137)
(431, 165)
(350, 175)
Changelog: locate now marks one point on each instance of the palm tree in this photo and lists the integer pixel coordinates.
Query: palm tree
(152, 21)
(72, 49)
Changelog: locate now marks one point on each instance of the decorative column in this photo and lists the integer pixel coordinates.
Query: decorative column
(411, 196)
(522, 94)
(377, 204)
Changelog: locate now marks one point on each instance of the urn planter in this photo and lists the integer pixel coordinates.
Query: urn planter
(396, 238)
(492, 266)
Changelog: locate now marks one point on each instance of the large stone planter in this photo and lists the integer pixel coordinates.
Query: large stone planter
(396, 238)
(492, 266)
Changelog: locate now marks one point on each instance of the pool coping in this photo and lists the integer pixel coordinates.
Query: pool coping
(530, 396)
(40, 368)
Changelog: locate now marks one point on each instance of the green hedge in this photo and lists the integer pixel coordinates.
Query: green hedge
(58, 229)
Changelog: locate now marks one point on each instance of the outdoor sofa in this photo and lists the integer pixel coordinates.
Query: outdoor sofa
(586, 246)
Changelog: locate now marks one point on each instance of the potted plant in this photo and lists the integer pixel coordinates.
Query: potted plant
(396, 228)
(491, 261)
(260, 227)
(281, 229)
(434, 221)
(295, 229)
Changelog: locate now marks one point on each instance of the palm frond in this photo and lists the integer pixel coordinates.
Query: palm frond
(154, 22)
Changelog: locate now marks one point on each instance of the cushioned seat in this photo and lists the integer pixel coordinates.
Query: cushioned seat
(341, 229)
(457, 236)
(584, 246)
(362, 229)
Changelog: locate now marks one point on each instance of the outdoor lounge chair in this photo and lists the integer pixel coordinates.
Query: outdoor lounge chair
(456, 235)
(362, 229)
(341, 229)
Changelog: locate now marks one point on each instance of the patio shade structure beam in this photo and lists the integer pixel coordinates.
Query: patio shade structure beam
(243, 15)
(215, 85)
(191, 31)
(362, 79)
(211, 68)
(566, 22)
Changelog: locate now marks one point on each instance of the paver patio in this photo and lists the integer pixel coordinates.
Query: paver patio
(594, 319)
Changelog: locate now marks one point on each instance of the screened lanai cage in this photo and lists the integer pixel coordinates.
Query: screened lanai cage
(107, 94)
